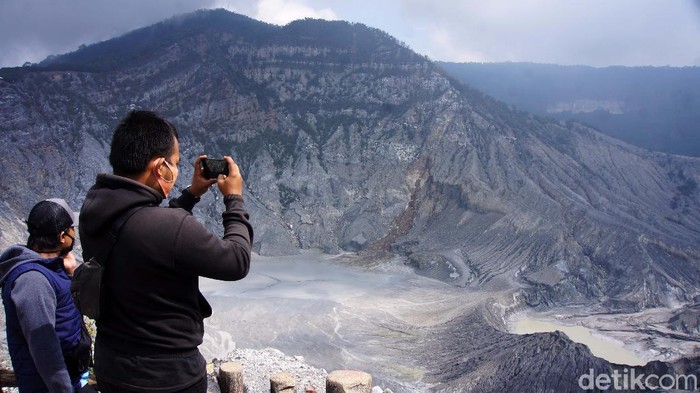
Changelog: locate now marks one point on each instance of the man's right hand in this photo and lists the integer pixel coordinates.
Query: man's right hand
(233, 183)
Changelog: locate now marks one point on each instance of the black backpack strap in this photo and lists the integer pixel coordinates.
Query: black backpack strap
(113, 235)
(86, 284)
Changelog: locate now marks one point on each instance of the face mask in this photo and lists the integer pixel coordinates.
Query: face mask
(165, 188)
(68, 249)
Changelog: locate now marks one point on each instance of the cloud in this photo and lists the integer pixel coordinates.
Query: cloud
(281, 12)
(444, 43)
(30, 30)
(593, 32)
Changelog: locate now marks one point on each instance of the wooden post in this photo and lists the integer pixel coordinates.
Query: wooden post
(348, 381)
(7, 378)
(230, 377)
(282, 383)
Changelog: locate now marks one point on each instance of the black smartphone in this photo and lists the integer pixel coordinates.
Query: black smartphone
(213, 167)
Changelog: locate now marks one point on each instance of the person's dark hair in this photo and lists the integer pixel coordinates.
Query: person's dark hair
(43, 242)
(139, 137)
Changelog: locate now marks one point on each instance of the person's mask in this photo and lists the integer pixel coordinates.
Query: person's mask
(68, 249)
(167, 184)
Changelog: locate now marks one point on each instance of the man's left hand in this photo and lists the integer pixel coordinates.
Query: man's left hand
(200, 184)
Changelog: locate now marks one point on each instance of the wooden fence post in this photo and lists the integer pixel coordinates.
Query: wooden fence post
(230, 378)
(282, 383)
(348, 381)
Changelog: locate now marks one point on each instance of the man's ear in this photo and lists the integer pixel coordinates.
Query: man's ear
(155, 164)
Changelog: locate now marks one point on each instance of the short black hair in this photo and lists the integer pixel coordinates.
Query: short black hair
(44, 242)
(139, 137)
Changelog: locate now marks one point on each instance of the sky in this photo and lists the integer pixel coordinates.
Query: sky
(570, 32)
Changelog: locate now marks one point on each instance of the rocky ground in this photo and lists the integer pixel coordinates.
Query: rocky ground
(259, 365)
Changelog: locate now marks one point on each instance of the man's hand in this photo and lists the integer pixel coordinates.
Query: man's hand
(69, 263)
(200, 184)
(233, 183)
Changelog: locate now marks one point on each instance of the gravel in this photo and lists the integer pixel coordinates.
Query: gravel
(259, 365)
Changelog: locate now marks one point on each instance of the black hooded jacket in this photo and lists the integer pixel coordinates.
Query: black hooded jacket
(152, 304)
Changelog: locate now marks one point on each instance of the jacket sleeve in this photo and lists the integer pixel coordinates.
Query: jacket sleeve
(186, 200)
(35, 301)
(200, 252)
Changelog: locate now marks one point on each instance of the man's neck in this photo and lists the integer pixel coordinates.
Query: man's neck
(48, 254)
(146, 179)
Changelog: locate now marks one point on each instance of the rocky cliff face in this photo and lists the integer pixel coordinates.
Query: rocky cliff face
(350, 141)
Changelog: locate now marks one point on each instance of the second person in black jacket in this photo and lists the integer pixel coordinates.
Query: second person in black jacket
(153, 311)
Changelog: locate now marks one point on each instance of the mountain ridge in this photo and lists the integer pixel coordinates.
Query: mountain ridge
(651, 107)
(140, 43)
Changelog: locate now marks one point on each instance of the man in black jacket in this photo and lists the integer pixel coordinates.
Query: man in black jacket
(153, 311)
